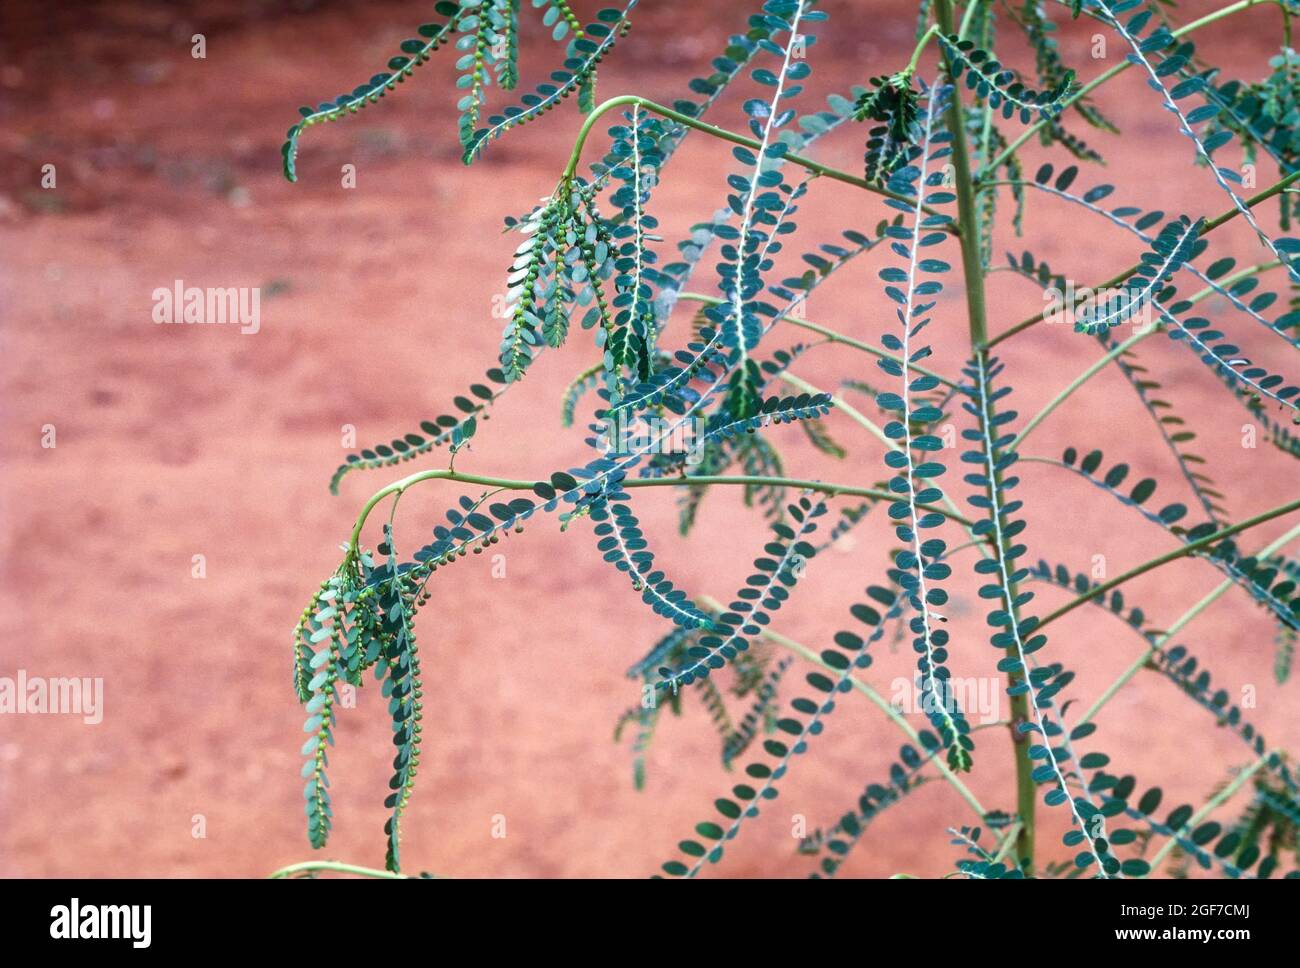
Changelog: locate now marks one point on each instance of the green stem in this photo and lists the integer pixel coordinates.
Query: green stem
(831, 336)
(859, 418)
(1079, 381)
(1186, 619)
(1007, 841)
(1209, 227)
(1184, 551)
(509, 484)
(1221, 797)
(877, 700)
(973, 273)
(1225, 283)
(1276, 188)
(967, 216)
(723, 134)
(311, 866)
(967, 18)
(1119, 68)
(920, 47)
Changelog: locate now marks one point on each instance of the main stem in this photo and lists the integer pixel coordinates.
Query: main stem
(967, 217)
(973, 271)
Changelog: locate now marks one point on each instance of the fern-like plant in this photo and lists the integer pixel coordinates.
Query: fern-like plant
(942, 148)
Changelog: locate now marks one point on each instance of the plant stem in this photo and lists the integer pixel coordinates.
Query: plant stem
(1007, 841)
(859, 418)
(1209, 227)
(966, 18)
(1184, 551)
(830, 334)
(973, 273)
(877, 700)
(920, 47)
(510, 484)
(1079, 381)
(1177, 627)
(1221, 797)
(967, 217)
(1226, 283)
(307, 867)
(1119, 68)
(622, 100)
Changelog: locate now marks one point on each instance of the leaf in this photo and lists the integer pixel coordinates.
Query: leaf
(578, 71)
(774, 576)
(893, 101)
(913, 460)
(852, 649)
(990, 80)
(415, 52)
(624, 545)
(433, 433)
(992, 461)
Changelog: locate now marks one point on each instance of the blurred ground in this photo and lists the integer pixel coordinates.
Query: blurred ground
(182, 441)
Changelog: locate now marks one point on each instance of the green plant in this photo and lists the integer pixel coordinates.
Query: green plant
(942, 152)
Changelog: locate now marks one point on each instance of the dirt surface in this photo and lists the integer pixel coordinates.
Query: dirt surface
(176, 441)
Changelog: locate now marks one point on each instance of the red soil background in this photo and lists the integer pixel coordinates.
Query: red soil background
(177, 441)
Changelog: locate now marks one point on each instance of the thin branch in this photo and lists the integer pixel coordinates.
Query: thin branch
(1207, 228)
(1187, 549)
(511, 484)
(1214, 802)
(723, 134)
(831, 336)
(1140, 663)
(1122, 66)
